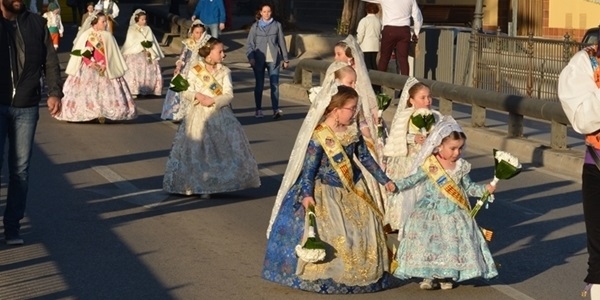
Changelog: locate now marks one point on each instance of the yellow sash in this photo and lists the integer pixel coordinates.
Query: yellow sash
(96, 42)
(446, 185)
(341, 163)
(209, 81)
(449, 188)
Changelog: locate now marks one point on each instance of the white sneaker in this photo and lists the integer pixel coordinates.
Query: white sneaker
(426, 284)
(446, 285)
(259, 114)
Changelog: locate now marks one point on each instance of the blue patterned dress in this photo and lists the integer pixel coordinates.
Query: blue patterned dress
(440, 239)
(357, 259)
(173, 108)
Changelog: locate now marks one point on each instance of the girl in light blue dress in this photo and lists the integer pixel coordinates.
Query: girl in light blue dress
(441, 242)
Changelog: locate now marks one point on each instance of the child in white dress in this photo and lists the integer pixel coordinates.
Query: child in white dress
(142, 53)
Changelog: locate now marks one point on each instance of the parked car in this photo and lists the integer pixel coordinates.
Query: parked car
(591, 36)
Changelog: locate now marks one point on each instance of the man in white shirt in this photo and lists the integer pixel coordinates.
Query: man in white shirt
(579, 94)
(396, 33)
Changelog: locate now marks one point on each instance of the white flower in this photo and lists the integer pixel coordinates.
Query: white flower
(313, 92)
(310, 255)
(423, 112)
(507, 157)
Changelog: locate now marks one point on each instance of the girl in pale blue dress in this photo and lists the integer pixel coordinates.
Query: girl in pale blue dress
(173, 108)
(440, 241)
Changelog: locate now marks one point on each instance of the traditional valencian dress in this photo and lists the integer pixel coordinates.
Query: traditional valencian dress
(91, 93)
(440, 238)
(400, 151)
(143, 76)
(347, 218)
(211, 153)
(173, 108)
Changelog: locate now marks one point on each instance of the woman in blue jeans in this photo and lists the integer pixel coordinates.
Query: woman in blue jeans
(267, 50)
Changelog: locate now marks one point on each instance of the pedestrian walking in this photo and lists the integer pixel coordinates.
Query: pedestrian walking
(25, 54)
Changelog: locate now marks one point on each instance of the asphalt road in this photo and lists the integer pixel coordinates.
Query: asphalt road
(99, 226)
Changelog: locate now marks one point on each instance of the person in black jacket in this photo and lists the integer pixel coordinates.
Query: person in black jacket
(26, 52)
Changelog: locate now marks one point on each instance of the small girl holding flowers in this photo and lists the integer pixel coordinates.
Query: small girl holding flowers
(440, 240)
(404, 142)
(142, 53)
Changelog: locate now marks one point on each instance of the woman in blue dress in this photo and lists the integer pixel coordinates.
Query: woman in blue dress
(322, 173)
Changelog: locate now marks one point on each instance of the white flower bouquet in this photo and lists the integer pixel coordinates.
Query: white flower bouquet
(313, 250)
(506, 166)
(423, 119)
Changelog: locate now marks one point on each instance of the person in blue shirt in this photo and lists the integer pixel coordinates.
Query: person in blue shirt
(212, 14)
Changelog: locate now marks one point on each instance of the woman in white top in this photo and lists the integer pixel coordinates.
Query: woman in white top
(368, 35)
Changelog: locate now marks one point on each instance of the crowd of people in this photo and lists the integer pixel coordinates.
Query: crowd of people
(345, 188)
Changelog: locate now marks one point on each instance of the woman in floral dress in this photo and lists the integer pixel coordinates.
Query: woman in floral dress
(211, 153)
(95, 88)
(142, 53)
(174, 109)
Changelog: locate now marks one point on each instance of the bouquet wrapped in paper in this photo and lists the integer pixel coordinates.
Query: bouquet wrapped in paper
(85, 52)
(179, 84)
(506, 166)
(383, 102)
(313, 250)
(423, 119)
(146, 44)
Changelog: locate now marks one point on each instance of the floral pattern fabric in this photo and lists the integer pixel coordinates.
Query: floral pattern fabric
(90, 94)
(357, 258)
(173, 108)
(143, 76)
(211, 153)
(440, 239)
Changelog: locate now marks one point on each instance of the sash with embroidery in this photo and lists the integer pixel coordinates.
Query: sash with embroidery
(591, 139)
(209, 81)
(449, 188)
(341, 163)
(95, 41)
(446, 185)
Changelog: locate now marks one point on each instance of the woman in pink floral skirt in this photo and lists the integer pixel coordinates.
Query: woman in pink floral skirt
(142, 53)
(95, 88)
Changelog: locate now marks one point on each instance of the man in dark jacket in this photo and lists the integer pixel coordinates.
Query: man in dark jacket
(26, 52)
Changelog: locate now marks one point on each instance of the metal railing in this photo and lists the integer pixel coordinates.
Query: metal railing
(524, 66)
(480, 100)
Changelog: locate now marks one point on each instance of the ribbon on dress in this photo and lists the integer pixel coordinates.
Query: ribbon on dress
(341, 163)
(207, 79)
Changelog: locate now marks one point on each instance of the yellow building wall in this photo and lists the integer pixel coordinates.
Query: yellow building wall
(574, 14)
